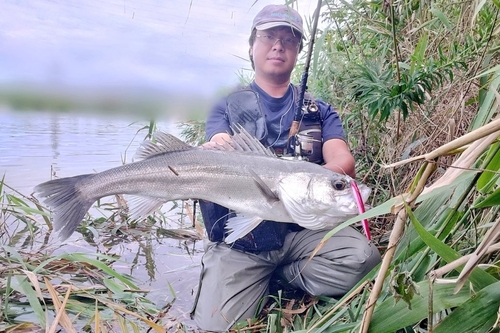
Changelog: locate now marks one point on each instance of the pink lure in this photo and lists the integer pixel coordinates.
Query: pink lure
(361, 208)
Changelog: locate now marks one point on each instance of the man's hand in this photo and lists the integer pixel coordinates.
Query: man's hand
(221, 138)
(210, 145)
(217, 140)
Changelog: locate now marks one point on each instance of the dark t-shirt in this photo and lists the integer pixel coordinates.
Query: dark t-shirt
(279, 117)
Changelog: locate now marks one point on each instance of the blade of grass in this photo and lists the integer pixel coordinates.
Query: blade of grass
(118, 308)
(11, 252)
(491, 200)
(1, 183)
(487, 109)
(344, 300)
(478, 314)
(34, 282)
(122, 323)
(478, 277)
(389, 316)
(7, 294)
(100, 265)
(489, 177)
(25, 288)
(489, 239)
(61, 315)
(22, 205)
(97, 318)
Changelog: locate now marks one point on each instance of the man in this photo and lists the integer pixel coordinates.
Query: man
(236, 277)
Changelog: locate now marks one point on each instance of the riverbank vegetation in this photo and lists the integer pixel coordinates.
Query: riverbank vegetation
(45, 289)
(417, 86)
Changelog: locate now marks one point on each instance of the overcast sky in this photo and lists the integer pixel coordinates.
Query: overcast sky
(160, 44)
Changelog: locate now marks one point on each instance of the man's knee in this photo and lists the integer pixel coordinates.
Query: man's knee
(334, 277)
(363, 258)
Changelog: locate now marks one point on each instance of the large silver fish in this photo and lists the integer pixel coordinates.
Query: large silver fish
(243, 176)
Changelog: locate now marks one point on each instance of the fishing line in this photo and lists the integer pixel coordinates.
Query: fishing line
(219, 220)
(284, 114)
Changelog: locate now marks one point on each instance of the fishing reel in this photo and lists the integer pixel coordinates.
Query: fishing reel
(303, 145)
(306, 143)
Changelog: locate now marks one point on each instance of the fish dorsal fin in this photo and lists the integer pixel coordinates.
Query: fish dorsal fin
(242, 141)
(161, 143)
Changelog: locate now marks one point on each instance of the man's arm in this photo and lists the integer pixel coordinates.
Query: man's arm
(338, 157)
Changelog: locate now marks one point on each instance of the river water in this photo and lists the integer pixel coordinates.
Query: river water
(36, 146)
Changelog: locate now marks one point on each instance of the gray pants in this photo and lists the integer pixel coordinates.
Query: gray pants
(233, 282)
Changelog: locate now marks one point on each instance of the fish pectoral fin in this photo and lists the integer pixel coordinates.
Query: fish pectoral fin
(265, 190)
(239, 226)
(140, 206)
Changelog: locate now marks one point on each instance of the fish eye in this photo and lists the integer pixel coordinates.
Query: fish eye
(339, 184)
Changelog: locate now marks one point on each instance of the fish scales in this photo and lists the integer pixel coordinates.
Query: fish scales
(190, 173)
(255, 185)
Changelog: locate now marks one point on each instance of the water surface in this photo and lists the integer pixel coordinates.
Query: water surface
(37, 146)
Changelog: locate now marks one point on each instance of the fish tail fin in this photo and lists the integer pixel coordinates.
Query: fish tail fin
(239, 226)
(67, 202)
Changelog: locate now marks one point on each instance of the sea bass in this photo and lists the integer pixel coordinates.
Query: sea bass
(241, 175)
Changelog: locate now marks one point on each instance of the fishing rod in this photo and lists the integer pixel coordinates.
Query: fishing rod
(292, 141)
(294, 129)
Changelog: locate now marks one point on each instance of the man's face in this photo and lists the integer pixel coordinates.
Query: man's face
(275, 51)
